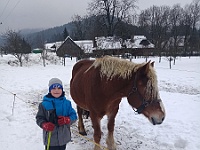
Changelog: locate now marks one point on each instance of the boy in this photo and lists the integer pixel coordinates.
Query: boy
(55, 115)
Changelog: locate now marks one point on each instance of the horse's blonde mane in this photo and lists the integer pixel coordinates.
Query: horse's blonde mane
(152, 84)
(111, 67)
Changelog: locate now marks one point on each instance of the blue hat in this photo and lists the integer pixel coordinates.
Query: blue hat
(55, 83)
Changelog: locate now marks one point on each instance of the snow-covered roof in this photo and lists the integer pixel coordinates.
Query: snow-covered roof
(86, 45)
(136, 42)
(136, 37)
(108, 43)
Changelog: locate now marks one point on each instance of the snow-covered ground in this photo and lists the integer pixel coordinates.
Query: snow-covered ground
(179, 90)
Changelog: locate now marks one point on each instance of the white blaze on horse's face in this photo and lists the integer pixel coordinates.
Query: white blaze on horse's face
(155, 116)
(162, 106)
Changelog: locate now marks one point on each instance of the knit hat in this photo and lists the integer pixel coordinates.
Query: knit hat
(55, 82)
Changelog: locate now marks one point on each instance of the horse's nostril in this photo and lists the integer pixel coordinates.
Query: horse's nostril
(153, 121)
(163, 118)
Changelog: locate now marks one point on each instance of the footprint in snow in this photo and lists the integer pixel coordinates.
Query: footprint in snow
(180, 143)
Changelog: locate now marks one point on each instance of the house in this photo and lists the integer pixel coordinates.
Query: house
(116, 46)
(108, 43)
(138, 41)
(175, 44)
(69, 48)
(52, 47)
(179, 42)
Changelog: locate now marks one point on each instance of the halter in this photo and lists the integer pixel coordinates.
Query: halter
(145, 103)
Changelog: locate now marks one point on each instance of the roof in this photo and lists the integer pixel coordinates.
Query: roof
(108, 43)
(86, 45)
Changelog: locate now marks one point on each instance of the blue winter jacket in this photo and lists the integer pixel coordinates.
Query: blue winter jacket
(48, 111)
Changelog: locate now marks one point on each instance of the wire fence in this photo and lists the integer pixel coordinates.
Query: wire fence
(35, 103)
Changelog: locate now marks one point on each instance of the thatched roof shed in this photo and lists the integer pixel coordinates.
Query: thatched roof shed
(69, 48)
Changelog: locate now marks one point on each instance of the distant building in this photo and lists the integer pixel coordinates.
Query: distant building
(52, 47)
(85, 45)
(69, 48)
(108, 43)
(37, 50)
(179, 41)
(138, 41)
(99, 46)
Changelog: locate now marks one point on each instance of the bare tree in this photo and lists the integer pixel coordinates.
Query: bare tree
(155, 21)
(187, 28)
(112, 12)
(173, 30)
(176, 19)
(16, 45)
(82, 27)
(78, 32)
(194, 9)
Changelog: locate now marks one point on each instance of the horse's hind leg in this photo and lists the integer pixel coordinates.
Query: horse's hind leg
(111, 121)
(81, 127)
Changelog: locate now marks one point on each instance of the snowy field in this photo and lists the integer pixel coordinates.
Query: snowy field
(179, 90)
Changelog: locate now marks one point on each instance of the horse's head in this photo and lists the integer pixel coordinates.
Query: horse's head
(144, 96)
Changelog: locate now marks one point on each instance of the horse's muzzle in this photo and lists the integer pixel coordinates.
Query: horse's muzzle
(156, 121)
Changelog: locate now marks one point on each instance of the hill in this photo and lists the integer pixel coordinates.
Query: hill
(85, 28)
(48, 35)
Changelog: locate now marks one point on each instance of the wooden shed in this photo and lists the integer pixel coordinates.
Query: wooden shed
(69, 48)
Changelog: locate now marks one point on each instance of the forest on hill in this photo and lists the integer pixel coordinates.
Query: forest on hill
(167, 27)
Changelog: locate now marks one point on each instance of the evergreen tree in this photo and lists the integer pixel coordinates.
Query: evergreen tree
(65, 33)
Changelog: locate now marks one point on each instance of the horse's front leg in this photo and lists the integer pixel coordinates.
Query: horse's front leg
(97, 129)
(81, 127)
(111, 122)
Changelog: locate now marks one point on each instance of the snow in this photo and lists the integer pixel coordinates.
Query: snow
(179, 90)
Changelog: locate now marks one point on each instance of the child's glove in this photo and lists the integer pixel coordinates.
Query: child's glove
(48, 126)
(63, 120)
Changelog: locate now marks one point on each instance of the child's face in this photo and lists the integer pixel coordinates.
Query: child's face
(56, 92)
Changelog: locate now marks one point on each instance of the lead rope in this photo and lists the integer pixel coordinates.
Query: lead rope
(88, 139)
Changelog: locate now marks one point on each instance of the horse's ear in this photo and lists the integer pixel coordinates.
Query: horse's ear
(152, 64)
(144, 69)
(147, 66)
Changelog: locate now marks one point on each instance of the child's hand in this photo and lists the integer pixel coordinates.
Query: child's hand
(63, 120)
(48, 126)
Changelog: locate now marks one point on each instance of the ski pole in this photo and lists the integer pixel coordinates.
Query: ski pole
(49, 140)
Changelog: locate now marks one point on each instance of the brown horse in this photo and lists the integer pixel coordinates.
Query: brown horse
(99, 85)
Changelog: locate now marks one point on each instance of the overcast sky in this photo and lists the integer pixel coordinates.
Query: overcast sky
(20, 14)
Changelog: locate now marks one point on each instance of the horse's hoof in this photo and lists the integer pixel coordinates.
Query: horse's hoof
(83, 133)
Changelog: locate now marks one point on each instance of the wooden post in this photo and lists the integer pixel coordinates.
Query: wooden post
(13, 105)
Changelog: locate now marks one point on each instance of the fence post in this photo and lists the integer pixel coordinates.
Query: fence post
(13, 104)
